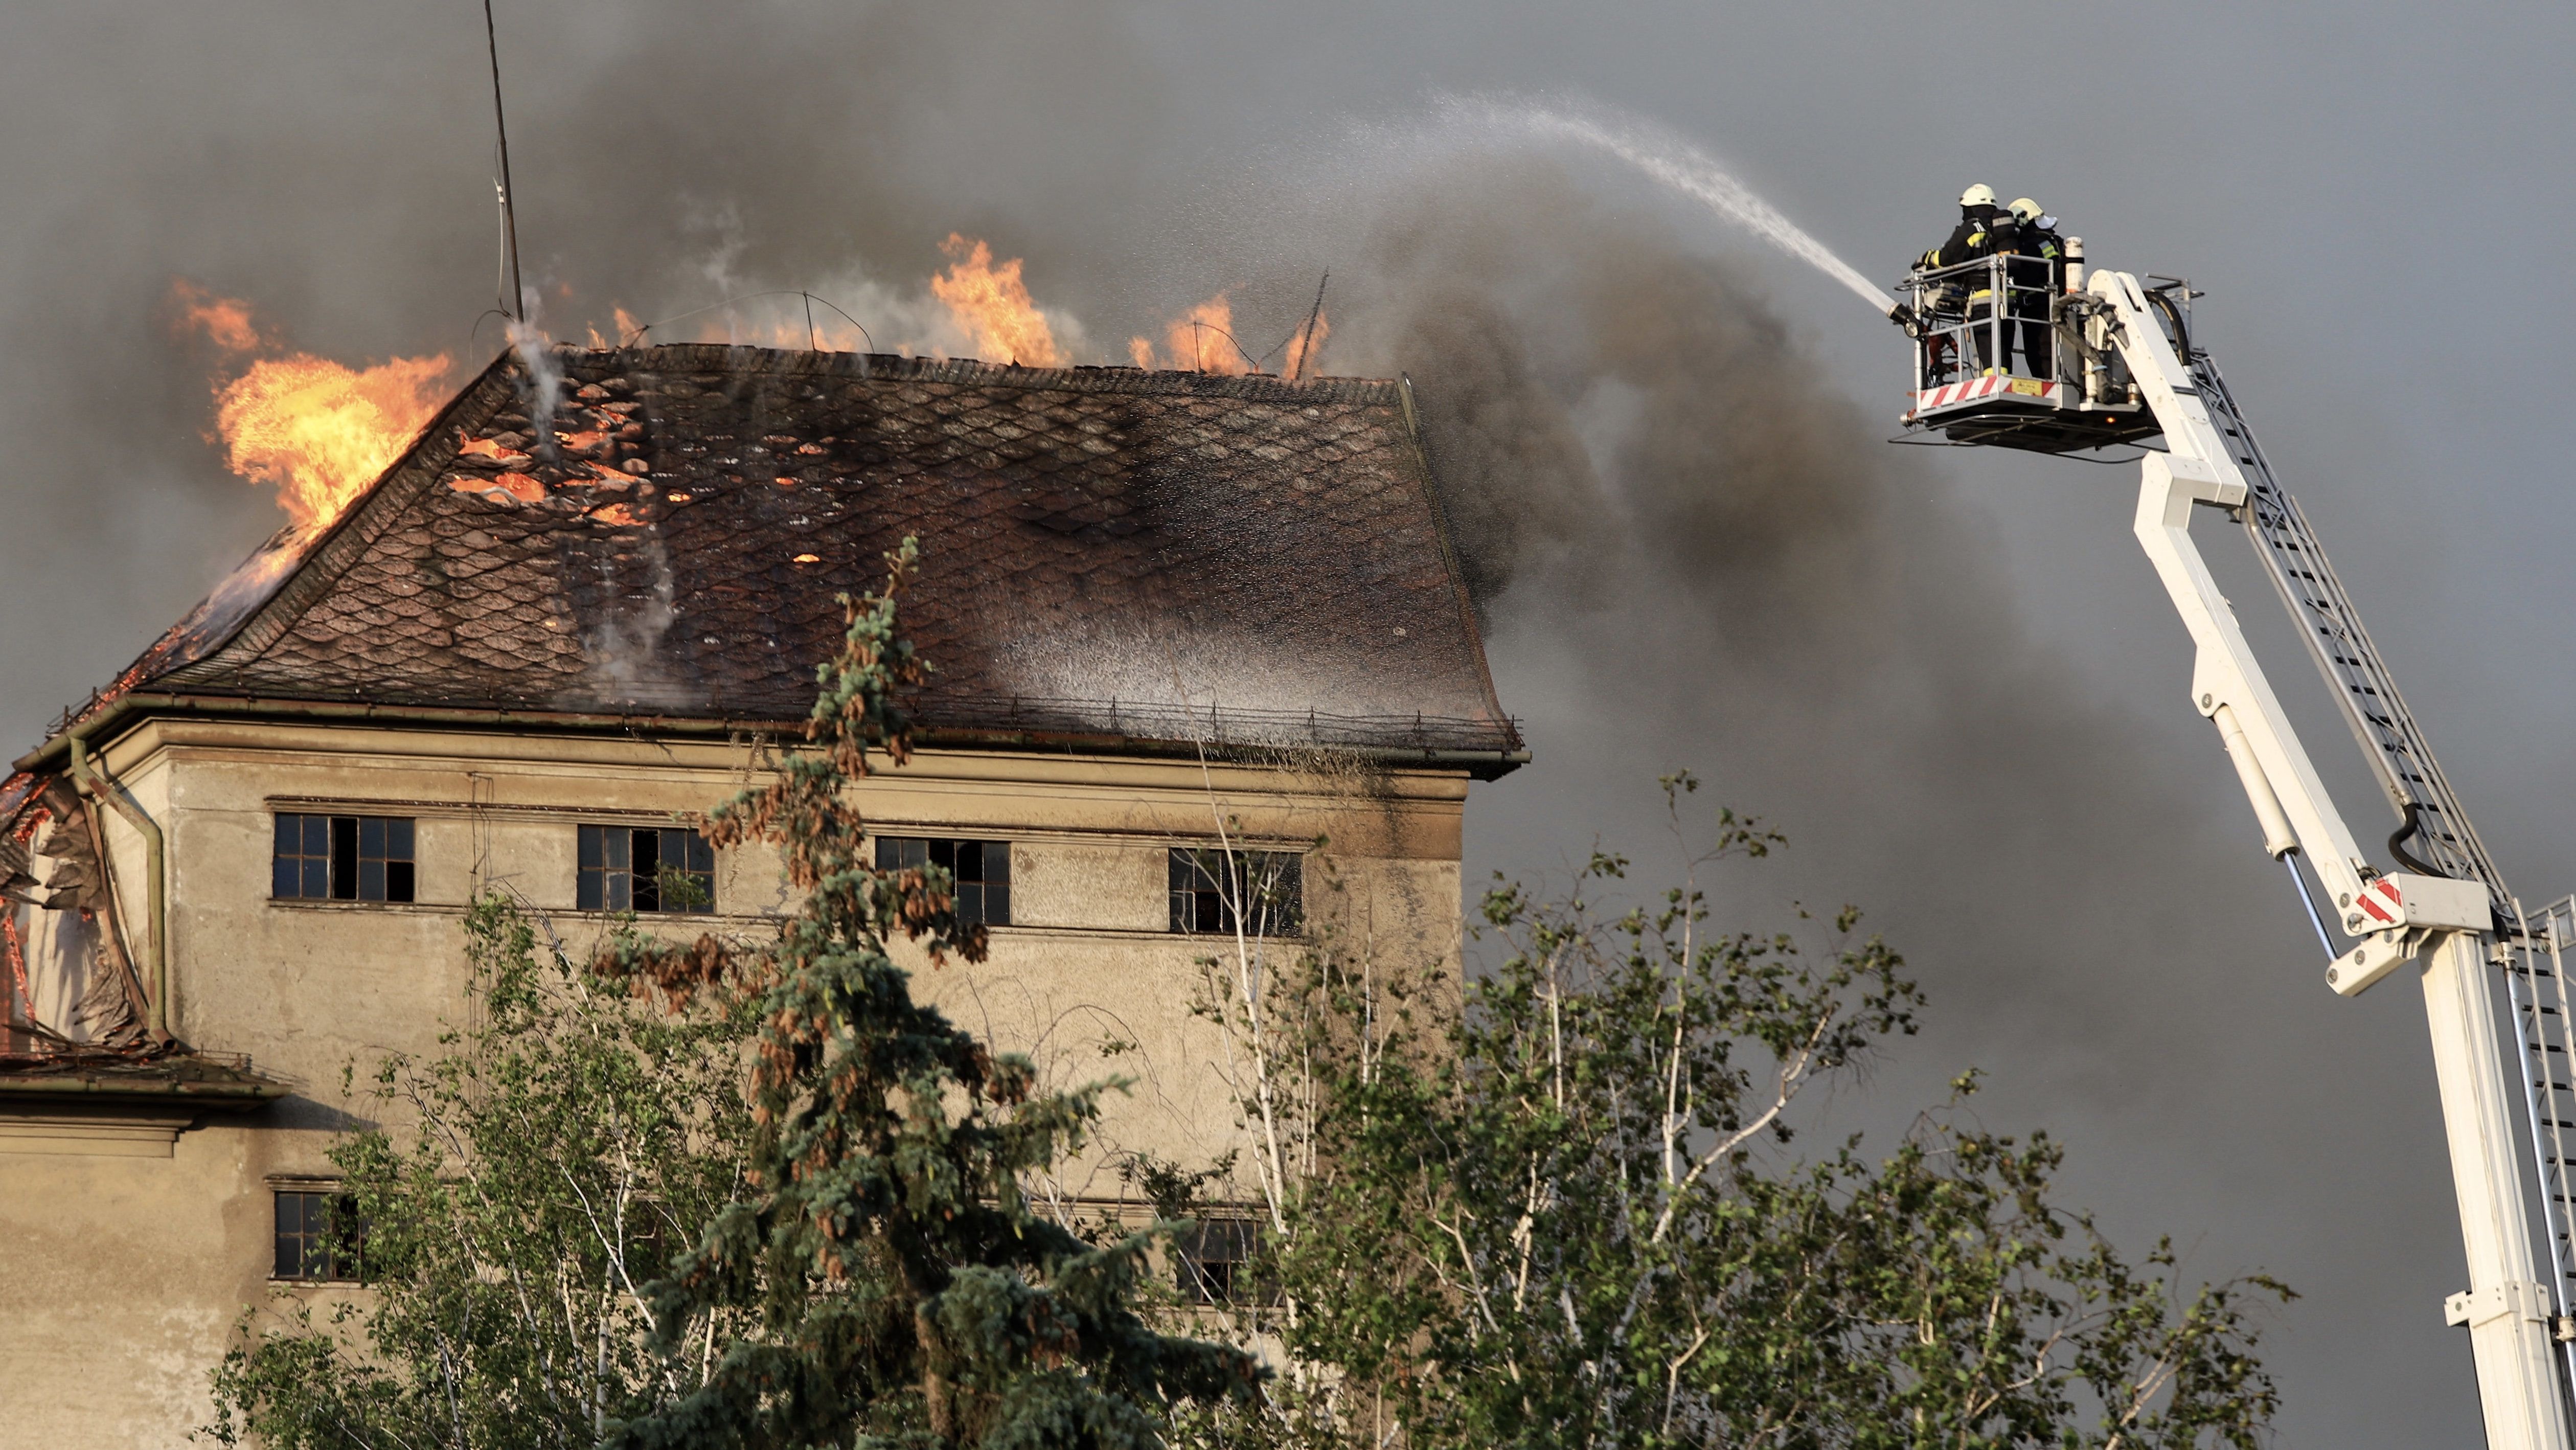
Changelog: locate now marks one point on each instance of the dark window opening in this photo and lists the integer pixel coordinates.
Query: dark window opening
(981, 869)
(1260, 892)
(342, 858)
(318, 1236)
(629, 868)
(1214, 1263)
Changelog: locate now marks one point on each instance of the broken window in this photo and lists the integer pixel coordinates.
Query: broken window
(1260, 892)
(982, 870)
(1214, 1262)
(318, 1236)
(646, 868)
(342, 858)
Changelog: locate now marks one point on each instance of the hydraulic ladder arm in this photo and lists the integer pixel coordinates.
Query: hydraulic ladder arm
(2449, 924)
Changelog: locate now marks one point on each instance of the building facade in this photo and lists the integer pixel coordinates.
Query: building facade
(1164, 611)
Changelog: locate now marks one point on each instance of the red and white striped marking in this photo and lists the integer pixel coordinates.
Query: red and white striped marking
(2382, 902)
(1950, 395)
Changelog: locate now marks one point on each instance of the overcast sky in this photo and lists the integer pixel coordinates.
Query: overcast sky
(1965, 701)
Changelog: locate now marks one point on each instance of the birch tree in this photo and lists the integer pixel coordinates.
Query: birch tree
(1573, 1214)
(550, 1163)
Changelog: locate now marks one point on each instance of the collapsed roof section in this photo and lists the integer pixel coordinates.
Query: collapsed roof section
(1108, 555)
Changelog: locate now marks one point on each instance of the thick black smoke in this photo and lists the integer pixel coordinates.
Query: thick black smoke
(1693, 549)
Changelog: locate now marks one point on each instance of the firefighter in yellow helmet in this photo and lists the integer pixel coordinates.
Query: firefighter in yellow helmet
(2035, 273)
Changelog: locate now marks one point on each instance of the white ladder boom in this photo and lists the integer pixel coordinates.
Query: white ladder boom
(2450, 914)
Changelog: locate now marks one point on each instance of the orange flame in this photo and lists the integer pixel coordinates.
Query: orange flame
(993, 305)
(1303, 347)
(224, 321)
(1203, 340)
(627, 329)
(788, 329)
(322, 432)
(318, 431)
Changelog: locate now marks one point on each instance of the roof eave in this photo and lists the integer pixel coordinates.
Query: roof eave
(133, 708)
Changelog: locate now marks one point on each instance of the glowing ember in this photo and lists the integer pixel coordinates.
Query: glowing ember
(503, 488)
(617, 513)
(486, 448)
(317, 430)
(993, 305)
(809, 558)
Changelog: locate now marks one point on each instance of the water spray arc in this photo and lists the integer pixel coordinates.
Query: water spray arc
(1678, 167)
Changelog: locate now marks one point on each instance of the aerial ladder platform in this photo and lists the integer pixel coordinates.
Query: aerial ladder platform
(2109, 362)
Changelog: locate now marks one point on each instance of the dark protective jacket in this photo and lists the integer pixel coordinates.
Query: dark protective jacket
(1973, 238)
(2005, 238)
(2038, 268)
(2040, 241)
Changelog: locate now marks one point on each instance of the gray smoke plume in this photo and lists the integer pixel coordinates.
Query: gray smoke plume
(1691, 549)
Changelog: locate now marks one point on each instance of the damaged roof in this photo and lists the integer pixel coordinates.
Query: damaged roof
(1107, 554)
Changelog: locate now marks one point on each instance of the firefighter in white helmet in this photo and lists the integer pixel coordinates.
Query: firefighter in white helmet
(1971, 239)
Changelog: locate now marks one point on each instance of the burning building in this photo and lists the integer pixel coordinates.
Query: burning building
(569, 614)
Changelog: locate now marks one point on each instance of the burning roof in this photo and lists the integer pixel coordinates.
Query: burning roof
(1107, 552)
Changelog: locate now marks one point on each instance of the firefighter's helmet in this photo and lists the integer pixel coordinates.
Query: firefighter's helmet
(1978, 195)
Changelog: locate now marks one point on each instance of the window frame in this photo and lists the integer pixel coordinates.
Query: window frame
(1223, 1280)
(341, 1246)
(1201, 902)
(979, 895)
(607, 879)
(345, 854)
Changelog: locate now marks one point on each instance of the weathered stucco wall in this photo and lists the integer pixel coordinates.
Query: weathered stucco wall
(128, 1270)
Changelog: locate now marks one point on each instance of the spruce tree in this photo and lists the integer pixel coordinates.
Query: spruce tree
(899, 1287)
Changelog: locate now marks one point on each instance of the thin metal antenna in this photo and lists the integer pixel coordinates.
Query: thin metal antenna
(509, 201)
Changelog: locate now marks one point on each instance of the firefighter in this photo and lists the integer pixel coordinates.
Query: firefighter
(2037, 273)
(1971, 239)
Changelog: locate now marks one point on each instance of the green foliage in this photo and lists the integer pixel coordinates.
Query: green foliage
(1568, 1217)
(552, 1161)
(897, 1287)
